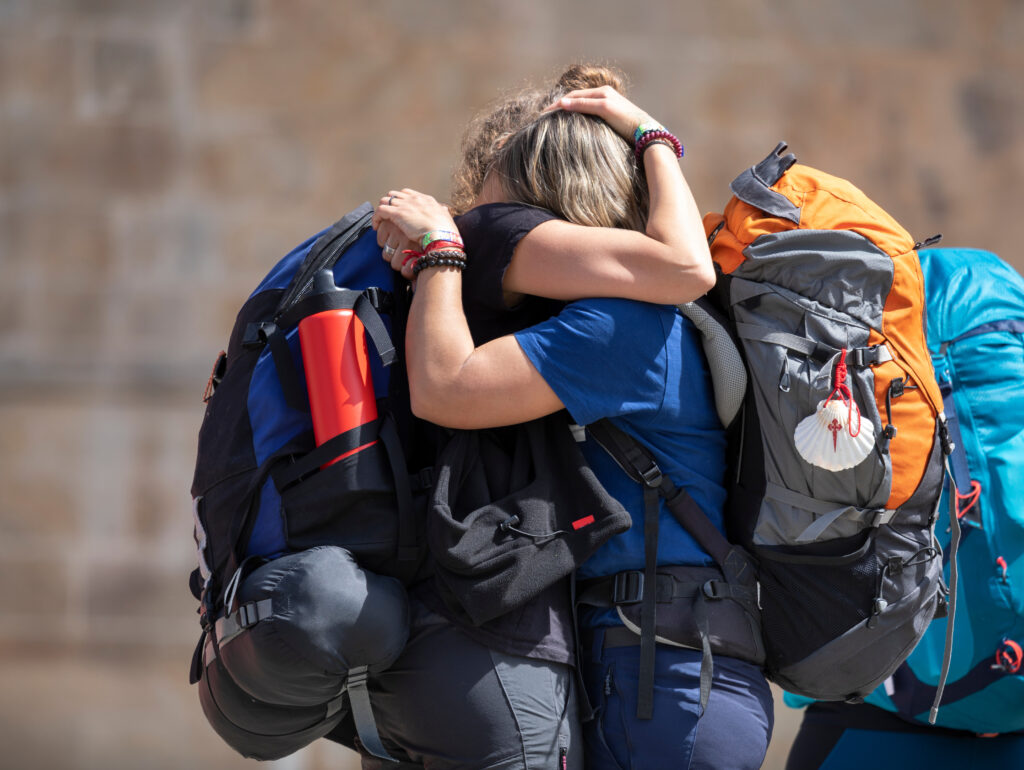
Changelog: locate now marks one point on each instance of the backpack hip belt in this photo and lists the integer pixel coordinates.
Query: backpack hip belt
(695, 603)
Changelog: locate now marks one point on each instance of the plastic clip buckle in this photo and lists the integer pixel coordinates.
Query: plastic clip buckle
(628, 587)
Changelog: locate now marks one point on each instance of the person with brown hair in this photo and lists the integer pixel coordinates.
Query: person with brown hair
(588, 200)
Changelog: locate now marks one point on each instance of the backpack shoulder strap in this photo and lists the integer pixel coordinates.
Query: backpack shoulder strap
(324, 253)
(728, 372)
(639, 464)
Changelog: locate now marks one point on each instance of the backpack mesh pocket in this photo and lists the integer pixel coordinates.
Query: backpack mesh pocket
(813, 594)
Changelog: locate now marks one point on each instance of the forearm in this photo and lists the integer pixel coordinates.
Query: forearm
(438, 343)
(686, 271)
(669, 263)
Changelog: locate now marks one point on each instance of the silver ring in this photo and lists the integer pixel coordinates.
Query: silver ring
(389, 251)
(390, 200)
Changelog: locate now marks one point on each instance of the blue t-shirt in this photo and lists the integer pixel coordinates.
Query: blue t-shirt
(641, 365)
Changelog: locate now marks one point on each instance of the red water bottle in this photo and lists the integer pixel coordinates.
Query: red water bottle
(337, 366)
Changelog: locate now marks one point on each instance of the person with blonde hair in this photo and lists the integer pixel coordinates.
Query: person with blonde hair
(587, 200)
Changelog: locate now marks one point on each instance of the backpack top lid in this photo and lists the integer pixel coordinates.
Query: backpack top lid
(778, 194)
(969, 298)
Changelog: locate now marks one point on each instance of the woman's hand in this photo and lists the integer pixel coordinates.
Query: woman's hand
(608, 104)
(402, 217)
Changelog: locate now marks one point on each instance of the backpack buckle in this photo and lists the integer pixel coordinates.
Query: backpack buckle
(257, 334)
(876, 354)
(651, 476)
(628, 587)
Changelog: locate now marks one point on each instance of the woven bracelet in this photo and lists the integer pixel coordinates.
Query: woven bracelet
(440, 235)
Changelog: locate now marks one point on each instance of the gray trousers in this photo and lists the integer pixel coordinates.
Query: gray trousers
(449, 702)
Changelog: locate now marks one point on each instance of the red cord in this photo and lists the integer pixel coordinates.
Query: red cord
(971, 496)
(843, 390)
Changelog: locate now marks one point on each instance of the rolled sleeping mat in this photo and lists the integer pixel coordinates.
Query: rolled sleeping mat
(306, 627)
(258, 730)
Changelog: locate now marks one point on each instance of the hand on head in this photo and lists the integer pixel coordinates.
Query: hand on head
(401, 218)
(608, 104)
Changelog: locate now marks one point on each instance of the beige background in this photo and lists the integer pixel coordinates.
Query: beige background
(157, 156)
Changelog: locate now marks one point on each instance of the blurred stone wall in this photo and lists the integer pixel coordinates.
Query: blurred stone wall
(157, 156)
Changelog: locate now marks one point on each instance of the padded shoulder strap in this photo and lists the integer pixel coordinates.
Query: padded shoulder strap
(324, 253)
(728, 373)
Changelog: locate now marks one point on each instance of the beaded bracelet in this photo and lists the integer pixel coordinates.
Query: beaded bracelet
(650, 135)
(440, 235)
(452, 258)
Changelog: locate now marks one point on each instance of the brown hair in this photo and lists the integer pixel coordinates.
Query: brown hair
(572, 164)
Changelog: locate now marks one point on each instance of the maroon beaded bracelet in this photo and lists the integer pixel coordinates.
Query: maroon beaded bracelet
(648, 137)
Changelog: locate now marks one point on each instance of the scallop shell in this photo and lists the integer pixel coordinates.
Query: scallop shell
(823, 439)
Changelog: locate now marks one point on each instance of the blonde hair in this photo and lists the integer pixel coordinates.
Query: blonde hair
(572, 164)
(576, 166)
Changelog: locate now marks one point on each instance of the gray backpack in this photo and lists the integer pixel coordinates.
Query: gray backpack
(815, 338)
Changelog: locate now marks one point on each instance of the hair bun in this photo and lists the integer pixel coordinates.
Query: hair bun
(580, 76)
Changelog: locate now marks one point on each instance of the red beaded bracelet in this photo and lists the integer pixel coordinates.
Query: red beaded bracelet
(647, 137)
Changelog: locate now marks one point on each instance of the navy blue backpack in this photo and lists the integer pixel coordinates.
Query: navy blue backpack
(291, 545)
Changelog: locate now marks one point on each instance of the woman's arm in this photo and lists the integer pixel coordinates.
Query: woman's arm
(452, 382)
(668, 264)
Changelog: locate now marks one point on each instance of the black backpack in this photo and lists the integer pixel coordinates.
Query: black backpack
(266, 497)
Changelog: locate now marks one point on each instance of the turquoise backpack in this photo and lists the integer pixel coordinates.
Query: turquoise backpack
(976, 338)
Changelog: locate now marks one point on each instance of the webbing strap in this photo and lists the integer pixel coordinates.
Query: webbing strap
(359, 302)
(648, 605)
(361, 435)
(247, 615)
(954, 545)
(408, 550)
(362, 713)
(639, 464)
(686, 511)
(816, 350)
(284, 364)
(707, 665)
(826, 513)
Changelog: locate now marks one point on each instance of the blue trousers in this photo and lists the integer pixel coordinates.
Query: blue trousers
(733, 732)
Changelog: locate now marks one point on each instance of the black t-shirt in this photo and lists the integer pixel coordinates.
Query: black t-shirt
(491, 234)
(542, 628)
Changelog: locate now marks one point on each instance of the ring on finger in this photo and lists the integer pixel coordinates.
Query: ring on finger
(391, 200)
(389, 251)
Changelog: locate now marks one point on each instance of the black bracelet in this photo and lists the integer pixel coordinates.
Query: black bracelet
(447, 258)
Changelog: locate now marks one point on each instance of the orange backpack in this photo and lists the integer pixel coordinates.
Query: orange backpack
(839, 459)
